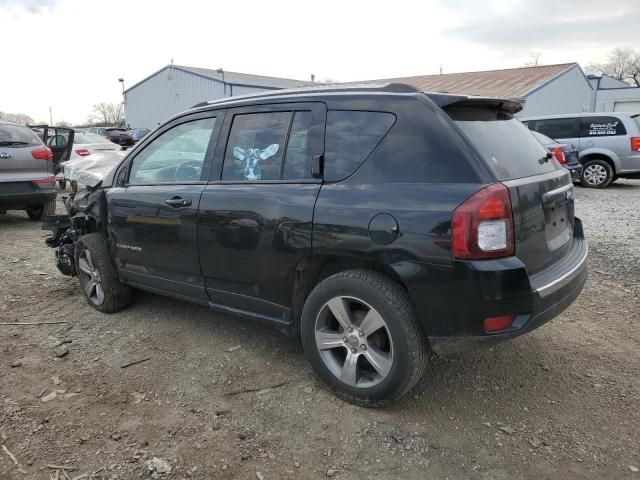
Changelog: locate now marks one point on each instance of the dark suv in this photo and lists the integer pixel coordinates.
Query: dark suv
(375, 222)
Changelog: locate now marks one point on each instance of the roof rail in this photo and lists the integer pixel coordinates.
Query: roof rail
(326, 88)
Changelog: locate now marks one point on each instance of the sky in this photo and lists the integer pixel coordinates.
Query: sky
(68, 55)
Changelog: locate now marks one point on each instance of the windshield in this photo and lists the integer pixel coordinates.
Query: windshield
(17, 136)
(506, 144)
(119, 131)
(85, 138)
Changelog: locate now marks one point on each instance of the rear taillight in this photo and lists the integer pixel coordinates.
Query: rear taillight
(635, 144)
(83, 152)
(559, 154)
(43, 153)
(482, 225)
(45, 182)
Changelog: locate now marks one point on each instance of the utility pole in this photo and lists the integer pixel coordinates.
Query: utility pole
(50, 117)
(224, 85)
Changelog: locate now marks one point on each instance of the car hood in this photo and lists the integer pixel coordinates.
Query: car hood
(92, 169)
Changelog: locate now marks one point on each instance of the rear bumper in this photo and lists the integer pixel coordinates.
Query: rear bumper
(454, 317)
(19, 195)
(575, 170)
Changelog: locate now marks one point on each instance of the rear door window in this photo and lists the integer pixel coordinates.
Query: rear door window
(351, 137)
(269, 146)
(507, 146)
(559, 127)
(601, 127)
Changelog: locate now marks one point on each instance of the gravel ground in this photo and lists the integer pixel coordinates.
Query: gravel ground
(225, 398)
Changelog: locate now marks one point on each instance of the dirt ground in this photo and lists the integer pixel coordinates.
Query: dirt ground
(220, 397)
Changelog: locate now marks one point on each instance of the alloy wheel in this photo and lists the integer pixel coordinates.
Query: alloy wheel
(90, 278)
(595, 174)
(354, 342)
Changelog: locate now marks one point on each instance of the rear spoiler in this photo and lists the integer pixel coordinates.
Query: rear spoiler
(444, 100)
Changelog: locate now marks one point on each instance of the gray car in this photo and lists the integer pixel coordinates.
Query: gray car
(26, 172)
(608, 143)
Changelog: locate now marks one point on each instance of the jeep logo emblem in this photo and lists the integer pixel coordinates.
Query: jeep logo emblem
(5, 155)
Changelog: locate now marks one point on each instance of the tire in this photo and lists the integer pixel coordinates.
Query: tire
(37, 212)
(98, 277)
(597, 173)
(394, 340)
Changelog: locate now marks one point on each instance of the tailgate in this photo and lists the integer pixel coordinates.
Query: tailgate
(543, 217)
(541, 191)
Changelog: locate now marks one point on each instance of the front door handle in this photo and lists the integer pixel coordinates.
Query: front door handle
(178, 202)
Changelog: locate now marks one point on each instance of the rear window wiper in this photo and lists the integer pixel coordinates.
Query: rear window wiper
(10, 143)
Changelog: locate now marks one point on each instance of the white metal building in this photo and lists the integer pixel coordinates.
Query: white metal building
(612, 95)
(544, 90)
(175, 88)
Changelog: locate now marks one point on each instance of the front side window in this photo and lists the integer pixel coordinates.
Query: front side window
(177, 155)
(268, 146)
(601, 127)
(559, 127)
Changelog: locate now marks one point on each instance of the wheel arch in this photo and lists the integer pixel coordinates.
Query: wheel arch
(312, 269)
(600, 154)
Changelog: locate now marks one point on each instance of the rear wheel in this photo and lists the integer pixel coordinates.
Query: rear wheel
(361, 336)
(597, 174)
(37, 212)
(98, 277)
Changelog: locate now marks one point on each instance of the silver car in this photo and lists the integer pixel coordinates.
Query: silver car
(26, 172)
(608, 143)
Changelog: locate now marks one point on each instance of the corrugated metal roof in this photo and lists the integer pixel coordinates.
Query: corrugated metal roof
(508, 83)
(235, 78)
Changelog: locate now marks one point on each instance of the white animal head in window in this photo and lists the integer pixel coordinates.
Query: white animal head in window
(252, 156)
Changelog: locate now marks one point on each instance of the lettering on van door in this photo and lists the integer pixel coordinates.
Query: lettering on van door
(608, 128)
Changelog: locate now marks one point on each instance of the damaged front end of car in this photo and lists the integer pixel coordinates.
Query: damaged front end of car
(86, 209)
(85, 213)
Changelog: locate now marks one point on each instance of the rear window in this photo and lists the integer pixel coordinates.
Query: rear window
(544, 139)
(17, 136)
(506, 144)
(601, 127)
(636, 118)
(351, 137)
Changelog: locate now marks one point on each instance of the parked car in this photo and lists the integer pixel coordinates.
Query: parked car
(138, 133)
(608, 143)
(86, 144)
(26, 172)
(565, 153)
(377, 223)
(115, 135)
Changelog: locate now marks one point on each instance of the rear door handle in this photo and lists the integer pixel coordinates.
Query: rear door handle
(178, 202)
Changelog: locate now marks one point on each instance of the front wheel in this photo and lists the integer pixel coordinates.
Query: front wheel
(361, 336)
(597, 174)
(98, 277)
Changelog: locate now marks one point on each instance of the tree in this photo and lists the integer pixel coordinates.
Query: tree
(19, 118)
(108, 114)
(536, 59)
(623, 63)
(62, 123)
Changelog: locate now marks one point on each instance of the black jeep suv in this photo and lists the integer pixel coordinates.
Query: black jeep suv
(376, 222)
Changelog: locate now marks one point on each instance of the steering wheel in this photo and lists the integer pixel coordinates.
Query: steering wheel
(188, 170)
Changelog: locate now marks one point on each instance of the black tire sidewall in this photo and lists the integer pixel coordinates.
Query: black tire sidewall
(401, 368)
(35, 212)
(116, 295)
(607, 167)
